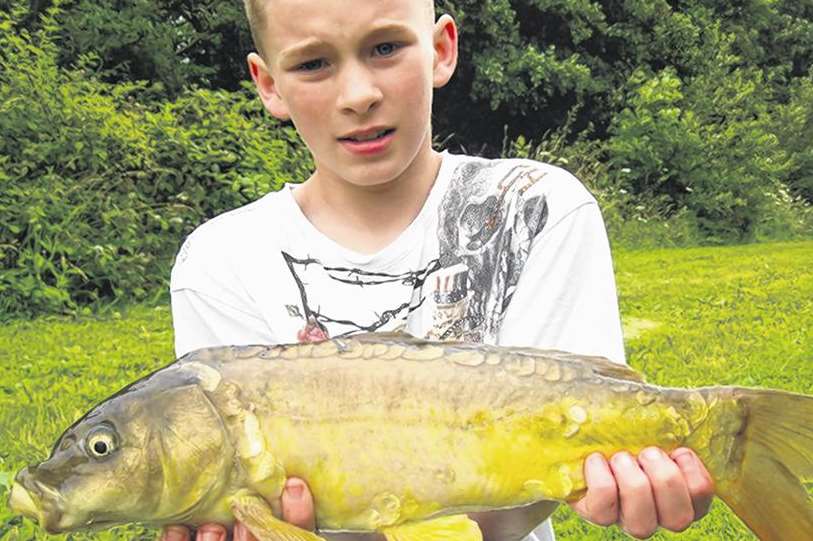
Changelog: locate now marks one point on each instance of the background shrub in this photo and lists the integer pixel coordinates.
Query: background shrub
(125, 124)
(793, 125)
(705, 145)
(99, 190)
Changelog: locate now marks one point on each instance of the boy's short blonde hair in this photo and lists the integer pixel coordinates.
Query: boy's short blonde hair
(257, 15)
(256, 22)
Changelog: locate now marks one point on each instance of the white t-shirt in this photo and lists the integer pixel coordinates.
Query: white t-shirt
(507, 252)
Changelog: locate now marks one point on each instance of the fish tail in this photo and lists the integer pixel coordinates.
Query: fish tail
(770, 472)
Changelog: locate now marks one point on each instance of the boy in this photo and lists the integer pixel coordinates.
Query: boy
(388, 234)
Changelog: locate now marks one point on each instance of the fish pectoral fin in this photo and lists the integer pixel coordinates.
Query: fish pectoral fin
(454, 528)
(256, 514)
(266, 476)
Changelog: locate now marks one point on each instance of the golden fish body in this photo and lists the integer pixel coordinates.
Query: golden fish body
(389, 431)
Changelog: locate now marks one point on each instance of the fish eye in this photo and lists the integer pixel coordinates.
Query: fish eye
(101, 442)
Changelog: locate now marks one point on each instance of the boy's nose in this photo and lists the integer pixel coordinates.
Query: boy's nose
(359, 91)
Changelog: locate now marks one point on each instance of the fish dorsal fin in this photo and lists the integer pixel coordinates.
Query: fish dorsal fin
(605, 367)
(600, 366)
(394, 336)
(454, 528)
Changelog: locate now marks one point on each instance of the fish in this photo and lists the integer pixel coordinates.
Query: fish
(403, 436)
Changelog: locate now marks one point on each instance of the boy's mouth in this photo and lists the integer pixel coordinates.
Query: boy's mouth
(370, 136)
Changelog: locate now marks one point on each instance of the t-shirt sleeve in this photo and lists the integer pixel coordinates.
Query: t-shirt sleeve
(566, 297)
(210, 304)
(201, 321)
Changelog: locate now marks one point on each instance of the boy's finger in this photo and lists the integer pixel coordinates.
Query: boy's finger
(698, 480)
(297, 504)
(175, 533)
(211, 532)
(669, 489)
(241, 533)
(600, 503)
(638, 514)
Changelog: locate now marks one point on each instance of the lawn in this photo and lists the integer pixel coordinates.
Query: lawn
(738, 315)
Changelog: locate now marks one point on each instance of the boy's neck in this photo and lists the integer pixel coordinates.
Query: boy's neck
(367, 219)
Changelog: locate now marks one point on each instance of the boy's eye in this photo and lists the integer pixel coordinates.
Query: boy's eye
(386, 49)
(311, 65)
(383, 49)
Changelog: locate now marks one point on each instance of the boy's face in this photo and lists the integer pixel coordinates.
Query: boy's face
(368, 63)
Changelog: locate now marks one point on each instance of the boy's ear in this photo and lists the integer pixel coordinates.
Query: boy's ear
(445, 44)
(266, 87)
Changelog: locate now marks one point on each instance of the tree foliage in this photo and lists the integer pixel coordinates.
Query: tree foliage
(98, 189)
(125, 123)
(526, 64)
(794, 127)
(705, 144)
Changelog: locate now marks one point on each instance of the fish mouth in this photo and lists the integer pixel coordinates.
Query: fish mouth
(23, 503)
(35, 500)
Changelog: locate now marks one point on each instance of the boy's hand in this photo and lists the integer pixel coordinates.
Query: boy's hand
(640, 495)
(297, 508)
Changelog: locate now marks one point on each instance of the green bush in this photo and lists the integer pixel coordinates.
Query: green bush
(705, 144)
(655, 145)
(98, 191)
(525, 63)
(708, 139)
(632, 221)
(212, 151)
(794, 127)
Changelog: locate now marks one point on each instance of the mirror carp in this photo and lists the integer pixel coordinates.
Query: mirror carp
(403, 436)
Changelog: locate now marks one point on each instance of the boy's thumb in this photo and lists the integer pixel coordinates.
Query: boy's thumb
(297, 504)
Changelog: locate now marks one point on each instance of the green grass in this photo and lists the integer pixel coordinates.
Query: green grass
(736, 315)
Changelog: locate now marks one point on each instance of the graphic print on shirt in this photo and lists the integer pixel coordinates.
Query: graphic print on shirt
(486, 226)
(486, 232)
(326, 292)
